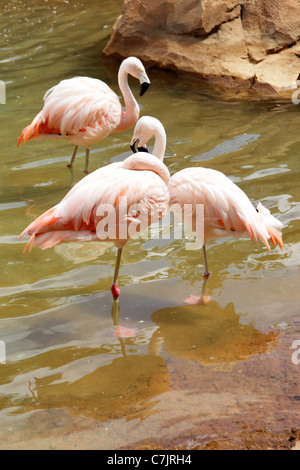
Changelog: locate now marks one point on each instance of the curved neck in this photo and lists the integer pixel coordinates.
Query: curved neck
(132, 110)
(160, 145)
(146, 162)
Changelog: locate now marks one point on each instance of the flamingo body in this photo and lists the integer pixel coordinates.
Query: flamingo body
(81, 110)
(124, 197)
(227, 209)
(76, 217)
(85, 110)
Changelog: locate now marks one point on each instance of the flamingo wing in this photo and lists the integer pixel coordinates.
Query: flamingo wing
(227, 209)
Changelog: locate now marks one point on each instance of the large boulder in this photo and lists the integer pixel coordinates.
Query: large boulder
(270, 26)
(246, 43)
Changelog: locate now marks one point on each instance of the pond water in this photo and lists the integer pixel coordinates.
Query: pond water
(67, 381)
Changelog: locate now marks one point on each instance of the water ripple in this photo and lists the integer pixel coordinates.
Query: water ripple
(228, 146)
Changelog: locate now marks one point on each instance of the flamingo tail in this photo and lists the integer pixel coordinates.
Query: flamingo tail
(273, 225)
(42, 224)
(31, 131)
(49, 239)
(50, 229)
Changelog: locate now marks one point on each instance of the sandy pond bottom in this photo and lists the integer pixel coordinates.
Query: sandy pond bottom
(240, 391)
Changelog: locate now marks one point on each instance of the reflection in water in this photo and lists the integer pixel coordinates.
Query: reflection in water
(202, 299)
(125, 386)
(120, 389)
(82, 252)
(120, 332)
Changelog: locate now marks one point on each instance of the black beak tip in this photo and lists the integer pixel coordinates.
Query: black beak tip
(144, 88)
(143, 149)
(139, 149)
(132, 146)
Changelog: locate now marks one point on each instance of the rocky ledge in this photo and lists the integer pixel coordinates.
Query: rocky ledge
(240, 43)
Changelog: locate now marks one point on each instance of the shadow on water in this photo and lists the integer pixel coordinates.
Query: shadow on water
(208, 334)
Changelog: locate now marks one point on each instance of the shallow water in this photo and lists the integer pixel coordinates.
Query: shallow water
(67, 380)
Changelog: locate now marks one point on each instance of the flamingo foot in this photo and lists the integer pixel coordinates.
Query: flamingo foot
(87, 172)
(204, 300)
(197, 300)
(123, 332)
(115, 290)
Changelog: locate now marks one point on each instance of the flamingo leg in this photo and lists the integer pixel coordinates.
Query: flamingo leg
(204, 299)
(87, 156)
(70, 165)
(115, 288)
(206, 273)
(121, 332)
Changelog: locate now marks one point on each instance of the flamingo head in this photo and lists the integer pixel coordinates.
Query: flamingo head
(134, 67)
(146, 128)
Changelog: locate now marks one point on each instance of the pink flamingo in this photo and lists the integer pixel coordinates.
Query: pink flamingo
(85, 110)
(227, 209)
(112, 203)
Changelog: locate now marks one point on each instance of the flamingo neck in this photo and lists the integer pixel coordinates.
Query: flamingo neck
(160, 146)
(131, 113)
(147, 162)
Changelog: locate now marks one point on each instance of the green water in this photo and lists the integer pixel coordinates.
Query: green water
(67, 380)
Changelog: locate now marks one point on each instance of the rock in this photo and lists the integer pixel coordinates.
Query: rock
(270, 26)
(244, 43)
(200, 17)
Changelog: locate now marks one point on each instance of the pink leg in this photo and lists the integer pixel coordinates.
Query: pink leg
(87, 156)
(203, 299)
(115, 290)
(70, 165)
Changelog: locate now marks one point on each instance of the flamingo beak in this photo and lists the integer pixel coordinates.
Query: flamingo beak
(132, 145)
(139, 149)
(144, 81)
(144, 88)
